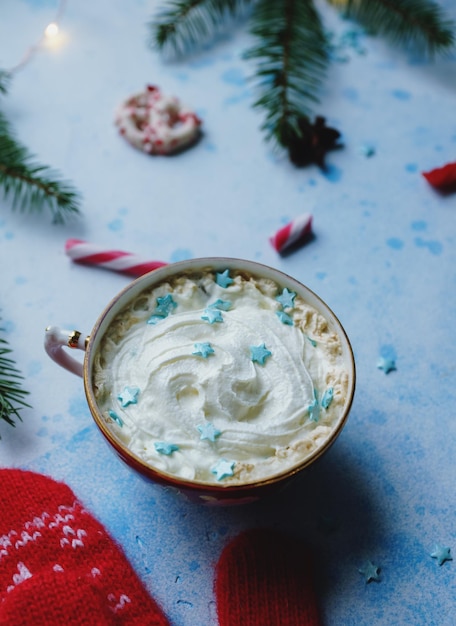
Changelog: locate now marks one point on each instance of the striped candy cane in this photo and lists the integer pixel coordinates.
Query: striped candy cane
(116, 260)
(295, 232)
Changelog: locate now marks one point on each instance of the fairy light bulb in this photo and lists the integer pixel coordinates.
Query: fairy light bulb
(51, 30)
(51, 38)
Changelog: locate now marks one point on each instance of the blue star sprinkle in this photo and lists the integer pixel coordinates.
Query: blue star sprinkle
(164, 307)
(367, 150)
(286, 299)
(212, 315)
(222, 305)
(203, 349)
(129, 396)
(165, 448)
(284, 318)
(223, 469)
(314, 409)
(208, 431)
(442, 554)
(154, 319)
(370, 572)
(113, 415)
(327, 398)
(223, 279)
(259, 353)
(312, 341)
(386, 364)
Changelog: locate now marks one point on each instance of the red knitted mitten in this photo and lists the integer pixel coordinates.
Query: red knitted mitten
(263, 579)
(58, 565)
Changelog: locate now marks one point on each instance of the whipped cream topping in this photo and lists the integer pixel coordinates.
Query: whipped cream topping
(220, 383)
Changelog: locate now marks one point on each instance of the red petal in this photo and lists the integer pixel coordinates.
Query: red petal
(442, 177)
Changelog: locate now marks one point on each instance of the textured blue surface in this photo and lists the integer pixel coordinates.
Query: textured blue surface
(383, 257)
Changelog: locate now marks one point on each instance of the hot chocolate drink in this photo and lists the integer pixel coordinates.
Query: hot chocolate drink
(221, 377)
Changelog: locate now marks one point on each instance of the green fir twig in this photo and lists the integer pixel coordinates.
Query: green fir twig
(187, 24)
(291, 51)
(12, 393)
(5, 78)
(418, 24)
(31, 186)
(292, 57)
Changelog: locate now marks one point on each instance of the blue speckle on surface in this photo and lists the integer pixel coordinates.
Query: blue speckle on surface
(332, 173)
(419, 225)
(387, 351)
(243, 95)
(234, 76)
(401, 94)
(8, 326)
(411, 167)
(78, 407)
(351, 94)
(116, 225)
(21, 280)
(58, 438)
(80, 438)
(38, 4)
(377, 417)
(201, 62)
(193, 566)
(434, 247)
(34, 368)
(181, 254)
(395, 243)
(182, 76)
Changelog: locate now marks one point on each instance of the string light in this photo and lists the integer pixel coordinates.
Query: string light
(51, 30)
(50, 37)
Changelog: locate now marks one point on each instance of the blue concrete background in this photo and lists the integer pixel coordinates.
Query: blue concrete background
(383, 258)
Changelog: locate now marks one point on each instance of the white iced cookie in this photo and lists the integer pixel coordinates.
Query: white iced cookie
(156, 123)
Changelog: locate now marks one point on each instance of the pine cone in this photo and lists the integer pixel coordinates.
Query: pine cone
(312, 142)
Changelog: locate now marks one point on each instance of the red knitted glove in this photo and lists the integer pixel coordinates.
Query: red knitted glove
(263, 579)
(58, 565)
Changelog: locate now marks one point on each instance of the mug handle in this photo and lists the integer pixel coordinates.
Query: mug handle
(56, 339)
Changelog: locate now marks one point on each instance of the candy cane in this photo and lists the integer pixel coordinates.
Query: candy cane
(295, 232)
(116, 260)
(442, 177)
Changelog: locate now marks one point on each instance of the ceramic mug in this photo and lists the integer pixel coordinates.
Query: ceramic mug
(57, 342)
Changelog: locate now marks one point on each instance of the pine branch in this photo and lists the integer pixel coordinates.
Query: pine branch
(31, 186)
(187, 24)
(419, 24)
(292, 53)
(11, 392)
(4, 81)
(292, 59)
